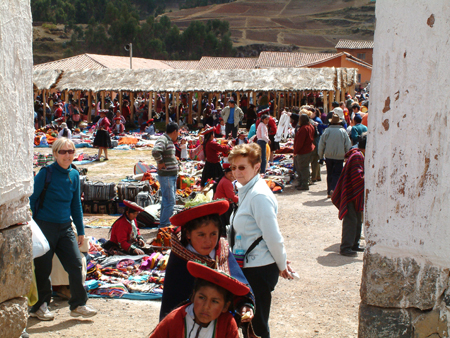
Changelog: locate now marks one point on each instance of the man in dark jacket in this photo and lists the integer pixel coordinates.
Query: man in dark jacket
(303, 149)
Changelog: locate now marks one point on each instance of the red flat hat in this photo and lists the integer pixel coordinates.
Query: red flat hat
(133, 205)
(226, 165)
(217, 277)
(207, 130)
(151, 120)
(117, 118)
(204, 209)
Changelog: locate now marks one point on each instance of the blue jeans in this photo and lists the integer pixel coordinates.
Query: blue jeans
(168, 189)
(262, 144)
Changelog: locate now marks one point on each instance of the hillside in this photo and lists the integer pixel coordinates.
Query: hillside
(311, 25)
(255, 25)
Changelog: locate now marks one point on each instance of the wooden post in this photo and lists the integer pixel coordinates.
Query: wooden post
(254, 99)
(209, 98)
(343, 90)
(150, 105)
(248, 99)
(89, 117)
(352, 90)
(275, 106)
(217, 99)
(177, 108)
(338, 95)
(199, 105)
(103, 99)
(190, 108)
(325, 102)
(331, 93)
(279, 103)
(132, 107)
(238, 99)
(120, 101)
(167, 108)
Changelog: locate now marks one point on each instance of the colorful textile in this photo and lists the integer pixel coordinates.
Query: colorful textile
(350, 187)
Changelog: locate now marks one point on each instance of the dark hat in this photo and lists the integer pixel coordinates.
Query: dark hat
(357, 118)
(133, 205)
(231, 100)
(218, 277)
(204, 209)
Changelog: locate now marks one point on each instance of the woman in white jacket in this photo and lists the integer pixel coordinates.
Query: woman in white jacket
(254, 228)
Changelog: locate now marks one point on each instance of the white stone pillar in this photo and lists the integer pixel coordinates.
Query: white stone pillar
(16, 163)
(407, 220)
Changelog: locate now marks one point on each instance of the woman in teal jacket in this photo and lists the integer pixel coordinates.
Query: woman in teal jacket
(56, 198)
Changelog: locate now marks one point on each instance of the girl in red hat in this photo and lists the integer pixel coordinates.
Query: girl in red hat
(199, 240)
(207, 313)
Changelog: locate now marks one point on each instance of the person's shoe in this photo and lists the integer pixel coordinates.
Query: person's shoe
(83, 311)
(348, 253)
(359, 249)
(328, 196)
(43, 313)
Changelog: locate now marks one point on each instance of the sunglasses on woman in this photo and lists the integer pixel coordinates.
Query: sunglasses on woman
(70, 151)
(240, 168)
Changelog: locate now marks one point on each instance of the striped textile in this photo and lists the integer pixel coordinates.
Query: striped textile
(221, 262)
(350, 187)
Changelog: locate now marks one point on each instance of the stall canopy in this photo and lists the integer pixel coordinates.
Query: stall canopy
(187, 80)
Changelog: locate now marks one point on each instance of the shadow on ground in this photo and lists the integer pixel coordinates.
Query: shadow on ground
(334, 259)
(57, 327)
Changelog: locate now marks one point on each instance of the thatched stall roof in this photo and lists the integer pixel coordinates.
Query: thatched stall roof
(175, 80)
(46, 79)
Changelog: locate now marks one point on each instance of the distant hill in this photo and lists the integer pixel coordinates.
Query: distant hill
(255, 25)
(311, 25)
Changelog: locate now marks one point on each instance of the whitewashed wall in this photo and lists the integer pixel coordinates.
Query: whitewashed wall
(16, 111)
(408, 157)
(405, 284)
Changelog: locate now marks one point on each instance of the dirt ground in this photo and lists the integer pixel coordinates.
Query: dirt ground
(322, 303)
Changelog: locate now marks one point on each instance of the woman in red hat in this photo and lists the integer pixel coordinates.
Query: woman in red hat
(125, 236)
(212, 150)
(199, 240)
(207, 313)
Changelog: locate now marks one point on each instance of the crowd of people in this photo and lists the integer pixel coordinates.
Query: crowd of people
(236, 237)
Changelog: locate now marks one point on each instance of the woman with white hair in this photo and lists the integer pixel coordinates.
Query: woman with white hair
(55, 200)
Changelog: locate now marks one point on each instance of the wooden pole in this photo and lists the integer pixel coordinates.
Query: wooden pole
(120, 101)
(325, 102)
(275, 106)
(89, 117)
(248, 99)
(150, 105)
(190, 108)
(199, 106)
(167, 108)
(238, 99)
(132, 107)
(279, 103)
(331, 94)
(210, 98)
(177, 108)
(352, 90)
(103, 99)
(254, 99)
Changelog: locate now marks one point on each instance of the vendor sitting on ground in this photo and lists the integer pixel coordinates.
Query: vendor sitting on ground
(219, 129)
(125, 235)
(118, 127)
(207, 314)
(150, 129)
(241, 139)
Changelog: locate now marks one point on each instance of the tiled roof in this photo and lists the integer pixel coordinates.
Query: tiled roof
(354, 44)
(208, 62)
(285, 59)
(181, 64)
(95, 61)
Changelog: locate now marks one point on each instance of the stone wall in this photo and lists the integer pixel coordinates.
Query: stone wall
(16, 154)
(404, 291)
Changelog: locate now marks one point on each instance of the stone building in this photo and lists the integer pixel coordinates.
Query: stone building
(405, 284)
(16, 168)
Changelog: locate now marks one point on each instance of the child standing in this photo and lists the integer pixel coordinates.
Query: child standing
(183, 147)
(207, 314)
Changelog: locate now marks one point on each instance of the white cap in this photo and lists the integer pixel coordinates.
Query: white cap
(339, 111)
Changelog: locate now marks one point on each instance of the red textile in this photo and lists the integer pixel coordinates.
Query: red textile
(121, 233)
(304, 140)
(213, 149)
(350, 187)
(104, 124)
(225, 190)
(217, 130)
(58, 112)
(272, 126)
(172, 326)
(126, 111)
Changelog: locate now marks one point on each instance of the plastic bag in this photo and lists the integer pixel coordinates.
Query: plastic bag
(40, 243)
